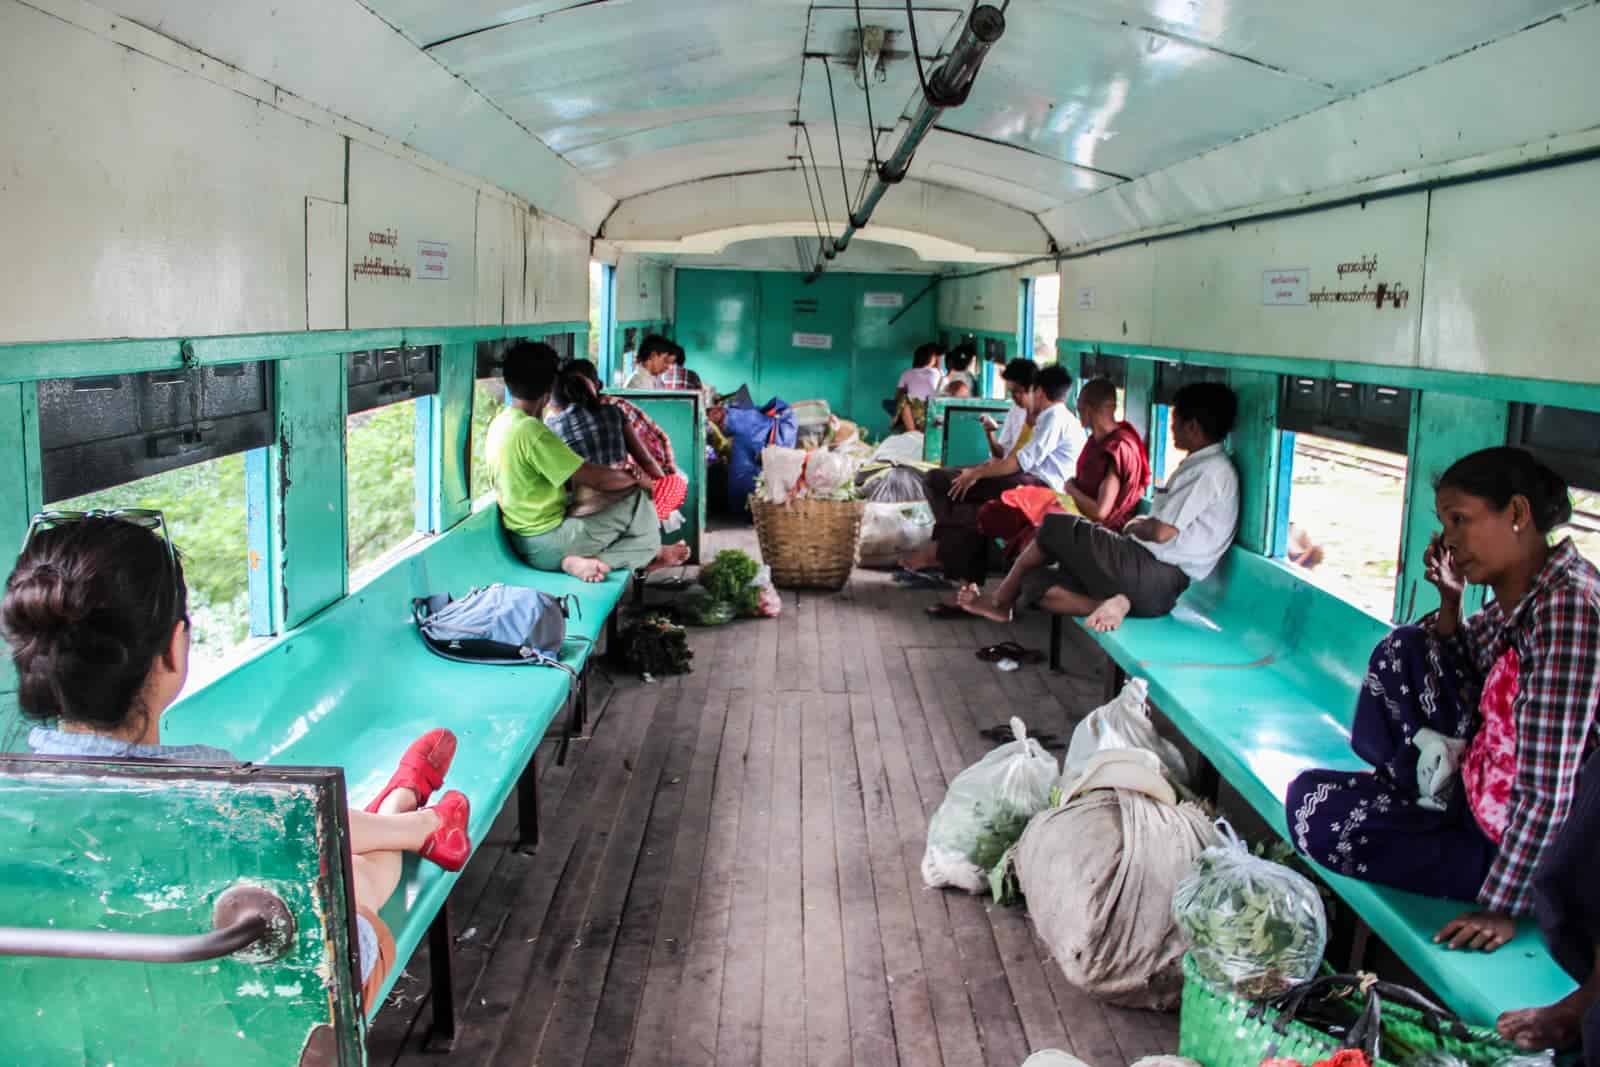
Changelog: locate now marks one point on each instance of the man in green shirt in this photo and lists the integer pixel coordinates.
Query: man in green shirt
(532, 469)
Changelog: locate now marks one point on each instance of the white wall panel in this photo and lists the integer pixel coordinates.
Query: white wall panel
(1109, 297)
(1512, 269)
(641, 285)
(988, 302)
(390, 197)
(141, 201)
(1209, 287)
(499, 261)
(563, 274)
(327, 272)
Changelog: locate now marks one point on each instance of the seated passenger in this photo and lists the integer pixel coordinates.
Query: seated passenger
(678, 375)
(1105, 576)
(96, 615)
(1018, 427)
(649, 450)
(956, 494)
(1112, 474)
(531, 469)
(916, 387)
(958, 369)
(1502, 702)
(958, 388)
(655, 356)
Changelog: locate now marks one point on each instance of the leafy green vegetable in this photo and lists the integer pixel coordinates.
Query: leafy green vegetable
(1254, 926)
(727, 576)
(705, 611)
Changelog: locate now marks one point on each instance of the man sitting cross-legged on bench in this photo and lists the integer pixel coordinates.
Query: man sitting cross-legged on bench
(1105, 576)
(532, 469)
(97, 617)
(956, 494)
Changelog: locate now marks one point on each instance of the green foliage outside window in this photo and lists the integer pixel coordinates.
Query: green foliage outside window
(380, 461)
(488, 397)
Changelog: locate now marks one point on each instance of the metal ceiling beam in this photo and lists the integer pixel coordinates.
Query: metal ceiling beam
(946, 87)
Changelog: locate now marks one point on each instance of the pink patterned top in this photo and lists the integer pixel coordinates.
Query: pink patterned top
(1490, 769)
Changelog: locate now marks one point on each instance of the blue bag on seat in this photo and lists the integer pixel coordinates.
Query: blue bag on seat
(497, 623)
(751, 430)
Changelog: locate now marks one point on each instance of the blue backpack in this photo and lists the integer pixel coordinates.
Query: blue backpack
(503, 624)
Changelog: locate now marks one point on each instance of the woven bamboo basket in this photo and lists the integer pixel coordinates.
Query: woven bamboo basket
(809, 544)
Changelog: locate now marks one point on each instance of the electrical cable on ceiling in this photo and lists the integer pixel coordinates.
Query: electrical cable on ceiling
(866, 85)
(916, 49)
(838, 139)
(821, 241)
(821, 195)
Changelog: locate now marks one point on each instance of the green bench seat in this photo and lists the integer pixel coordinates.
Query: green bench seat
(1259, 669)
(355, 685)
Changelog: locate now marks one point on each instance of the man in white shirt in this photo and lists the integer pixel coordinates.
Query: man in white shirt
(1048, 458)
(655, 356)
(1018, 376)
(1105, 576)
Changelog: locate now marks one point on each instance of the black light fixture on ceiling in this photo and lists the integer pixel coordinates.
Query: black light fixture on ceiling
(947, 87)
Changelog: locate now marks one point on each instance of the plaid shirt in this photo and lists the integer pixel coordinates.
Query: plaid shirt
(1556, 632)
(652, 437)
(596, 435)
(679, 377)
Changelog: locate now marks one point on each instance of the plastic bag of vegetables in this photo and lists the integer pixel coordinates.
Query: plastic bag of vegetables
(985, 810)
(1253, 926)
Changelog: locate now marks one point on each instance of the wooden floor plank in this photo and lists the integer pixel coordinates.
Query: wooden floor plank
(866, 982)
(823, 982)
(744, 969)
(783, 1011)
(652, 1037)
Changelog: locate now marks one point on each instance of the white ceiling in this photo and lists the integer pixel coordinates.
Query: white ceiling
(1079, 97)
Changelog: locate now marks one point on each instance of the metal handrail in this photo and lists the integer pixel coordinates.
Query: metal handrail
(245, 917)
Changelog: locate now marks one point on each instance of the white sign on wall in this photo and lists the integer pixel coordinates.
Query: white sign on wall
(433, 261)
(1086, 299)
(812, 340)
(1286, 287)
(883, 300)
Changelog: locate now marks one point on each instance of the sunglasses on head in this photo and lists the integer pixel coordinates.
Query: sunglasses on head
(145, 518)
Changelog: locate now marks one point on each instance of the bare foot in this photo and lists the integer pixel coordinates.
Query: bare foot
(1109, 615)
(585, 568)
(971, 600)
(922, 559)
(1559, 1026)
(669, 556)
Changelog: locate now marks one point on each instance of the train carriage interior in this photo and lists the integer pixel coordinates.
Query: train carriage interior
(276, 277)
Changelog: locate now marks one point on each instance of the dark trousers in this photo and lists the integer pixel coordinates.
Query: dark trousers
(963, 549)
(1564, 899)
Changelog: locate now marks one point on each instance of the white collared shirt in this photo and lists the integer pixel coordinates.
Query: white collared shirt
(1201, 499)
(1051, 454)
(1016, 419)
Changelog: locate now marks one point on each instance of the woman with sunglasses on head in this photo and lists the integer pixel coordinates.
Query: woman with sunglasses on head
(96, 616)
(1476, 726)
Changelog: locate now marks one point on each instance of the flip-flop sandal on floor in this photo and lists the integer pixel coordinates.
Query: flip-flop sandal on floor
(1001, 733)
(1009, 650)
(921, 579)
(941, 610)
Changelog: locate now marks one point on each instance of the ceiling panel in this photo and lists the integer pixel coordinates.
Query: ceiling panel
(690, 134)
(690, 162)
(427, 22)
(1349, 46)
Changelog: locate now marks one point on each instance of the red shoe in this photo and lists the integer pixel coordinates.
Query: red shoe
(449, 846)
(422, 768)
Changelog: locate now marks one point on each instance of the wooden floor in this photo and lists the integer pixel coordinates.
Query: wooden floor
(730, 867)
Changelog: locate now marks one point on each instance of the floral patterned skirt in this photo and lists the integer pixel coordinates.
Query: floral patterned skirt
(1369, 824)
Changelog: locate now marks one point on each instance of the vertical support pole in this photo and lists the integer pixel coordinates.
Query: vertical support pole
(1444, 427)
(1254, 446)
(441, 966)
(1136, 404)
(1055, 643)
(307, 478)
(453, 436)
(1280, 525)
(528, 805)
(425, 464)
(1157, 442)
(1025, 328)
(262, 544)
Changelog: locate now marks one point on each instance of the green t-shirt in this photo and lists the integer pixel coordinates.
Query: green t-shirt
(530, 467)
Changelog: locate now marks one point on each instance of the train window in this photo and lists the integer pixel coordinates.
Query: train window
(99, 432)
(1376, 416)
(601, 285)
(488, 397)
(1569, 441)
(204, 505)
(1098, 365)
(1346, 506)
(1044, 304)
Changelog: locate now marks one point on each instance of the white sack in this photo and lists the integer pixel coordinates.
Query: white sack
(889, 531)
(1099, 875)
(781, 469)
(1123, 723)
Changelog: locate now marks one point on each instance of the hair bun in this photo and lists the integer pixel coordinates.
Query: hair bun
(1553, 507)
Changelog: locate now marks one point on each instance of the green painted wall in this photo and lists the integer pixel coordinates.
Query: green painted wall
(308, 487)
(142, 849)
(738, 328)
(680, 416)
(1254, 447)
(955, 436)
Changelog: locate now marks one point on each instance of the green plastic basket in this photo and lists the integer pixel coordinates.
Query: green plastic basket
(1219, 1028)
